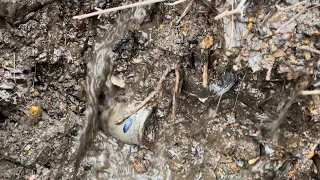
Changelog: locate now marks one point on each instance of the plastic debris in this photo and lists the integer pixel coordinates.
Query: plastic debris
(127, 124)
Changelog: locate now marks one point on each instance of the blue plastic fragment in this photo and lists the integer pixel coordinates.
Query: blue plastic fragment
(127, 124)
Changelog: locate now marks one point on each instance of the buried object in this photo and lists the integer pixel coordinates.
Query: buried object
(132, 130)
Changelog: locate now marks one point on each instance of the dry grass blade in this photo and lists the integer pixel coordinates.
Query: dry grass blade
(99, 12)
(175, 3)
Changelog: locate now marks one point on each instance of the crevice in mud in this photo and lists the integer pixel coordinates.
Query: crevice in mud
(2, 118)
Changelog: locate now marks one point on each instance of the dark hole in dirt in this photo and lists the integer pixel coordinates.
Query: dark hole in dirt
(47, 165)
(2, 118)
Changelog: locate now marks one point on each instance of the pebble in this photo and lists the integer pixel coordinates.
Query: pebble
(27, 148)
(307, 55)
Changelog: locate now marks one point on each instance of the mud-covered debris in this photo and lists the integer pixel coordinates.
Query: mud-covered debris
(207, 42)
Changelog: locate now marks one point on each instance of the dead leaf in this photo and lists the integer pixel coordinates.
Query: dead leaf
(234, 167)
(279, 53)
(207, 42)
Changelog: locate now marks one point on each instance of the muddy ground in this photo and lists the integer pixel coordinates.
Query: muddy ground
(252, 74)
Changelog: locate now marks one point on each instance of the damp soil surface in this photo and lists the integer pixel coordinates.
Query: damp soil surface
(229, 108)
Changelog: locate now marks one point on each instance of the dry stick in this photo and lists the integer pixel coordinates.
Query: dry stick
(293, 18)
(238, 10)
(185, 11)
(147, 2)
(290, 7)
(147, 99)
(310, 49)
(176, 91)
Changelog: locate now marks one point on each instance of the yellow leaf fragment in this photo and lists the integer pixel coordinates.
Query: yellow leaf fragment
(36, 94)
(219, 173)
(34, 111)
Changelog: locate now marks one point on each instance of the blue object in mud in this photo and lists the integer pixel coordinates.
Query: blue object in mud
(127, 124)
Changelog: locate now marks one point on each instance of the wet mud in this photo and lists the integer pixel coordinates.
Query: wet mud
(226, 119)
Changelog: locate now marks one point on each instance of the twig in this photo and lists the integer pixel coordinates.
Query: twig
(186, 10)
(147, 2)
(147, 99)
(293, 18)
(238, 10)
(310, 49)
(176, 91)
(290, 7)
(175, 3)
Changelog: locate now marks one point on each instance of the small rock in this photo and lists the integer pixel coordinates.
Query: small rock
(279, 53)
(307, 55)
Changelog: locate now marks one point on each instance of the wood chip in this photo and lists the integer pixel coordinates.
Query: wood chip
(253, 161)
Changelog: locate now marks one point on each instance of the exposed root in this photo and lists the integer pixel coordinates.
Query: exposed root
(238, 10)
(147, 99)
(99, 12)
